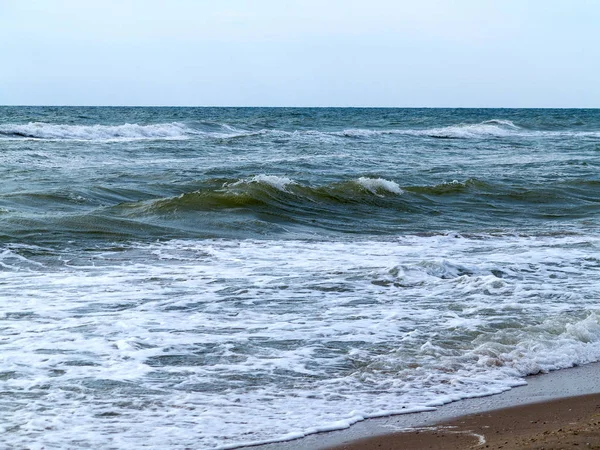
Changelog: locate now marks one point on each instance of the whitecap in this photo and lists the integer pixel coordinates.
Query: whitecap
(494, 127)
(128, 131)
(377, 185)
(277, 182)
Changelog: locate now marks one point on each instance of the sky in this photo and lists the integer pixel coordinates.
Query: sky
(417, 53)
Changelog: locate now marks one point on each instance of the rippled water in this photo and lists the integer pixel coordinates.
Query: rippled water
(208, 277)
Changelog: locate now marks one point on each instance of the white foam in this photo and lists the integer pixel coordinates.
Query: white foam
(489, 128)
(214, 343)
(277, 182)
(497, 128)
(377, 185)
(360, 133)
(504, 123)
(40, 130)
(492, 127)
(173, 131)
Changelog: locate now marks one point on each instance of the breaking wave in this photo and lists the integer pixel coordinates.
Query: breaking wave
(40, 130)
(274, 193)
(274, 181)
(378, 186)
(492, 127)
(451, 187)
(225, 132)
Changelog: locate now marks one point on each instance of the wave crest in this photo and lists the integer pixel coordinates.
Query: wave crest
(493, 127)
(42, 130)
(378, 185)
(451, 187)
(274, 193)
(277, 182)
(224, 132)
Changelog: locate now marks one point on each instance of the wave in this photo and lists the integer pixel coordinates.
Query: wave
(494, 127)
(271, 193)
(275, 191)
(133, 131)
(376, 186)
(379, 185)
(225, 132)
(488, 128)
(47, 131)
(371, 187)
(263, 204)
(274, 181)
(451, 187)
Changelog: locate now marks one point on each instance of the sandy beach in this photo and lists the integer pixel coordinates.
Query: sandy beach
(557, 410)
(572, 422)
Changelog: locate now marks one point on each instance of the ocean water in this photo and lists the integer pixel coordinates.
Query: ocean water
(211, 277)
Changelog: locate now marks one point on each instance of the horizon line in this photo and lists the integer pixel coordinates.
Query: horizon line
(289, 107)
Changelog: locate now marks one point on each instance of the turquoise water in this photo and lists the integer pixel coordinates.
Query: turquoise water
(208, 277)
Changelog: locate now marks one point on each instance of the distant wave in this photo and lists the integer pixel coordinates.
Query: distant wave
(488, 128)
(222, 131)
(41, 130)
(492, 127)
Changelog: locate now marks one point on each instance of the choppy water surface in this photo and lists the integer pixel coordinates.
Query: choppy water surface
(201, 278)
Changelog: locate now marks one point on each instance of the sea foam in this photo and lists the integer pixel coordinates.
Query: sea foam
(302, 336)
(278, 182)
(379, 185)
(264, 279)
(40, 130)
(223, 131)
(498, 128)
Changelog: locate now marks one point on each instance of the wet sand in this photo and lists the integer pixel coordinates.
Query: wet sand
(573, 422)
(552, 411)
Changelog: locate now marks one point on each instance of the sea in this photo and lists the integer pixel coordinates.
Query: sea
(200, 278)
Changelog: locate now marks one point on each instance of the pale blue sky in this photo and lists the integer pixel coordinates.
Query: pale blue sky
(495, 53)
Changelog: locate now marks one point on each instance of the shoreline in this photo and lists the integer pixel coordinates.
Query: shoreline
(541, 389)
(556, 424)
